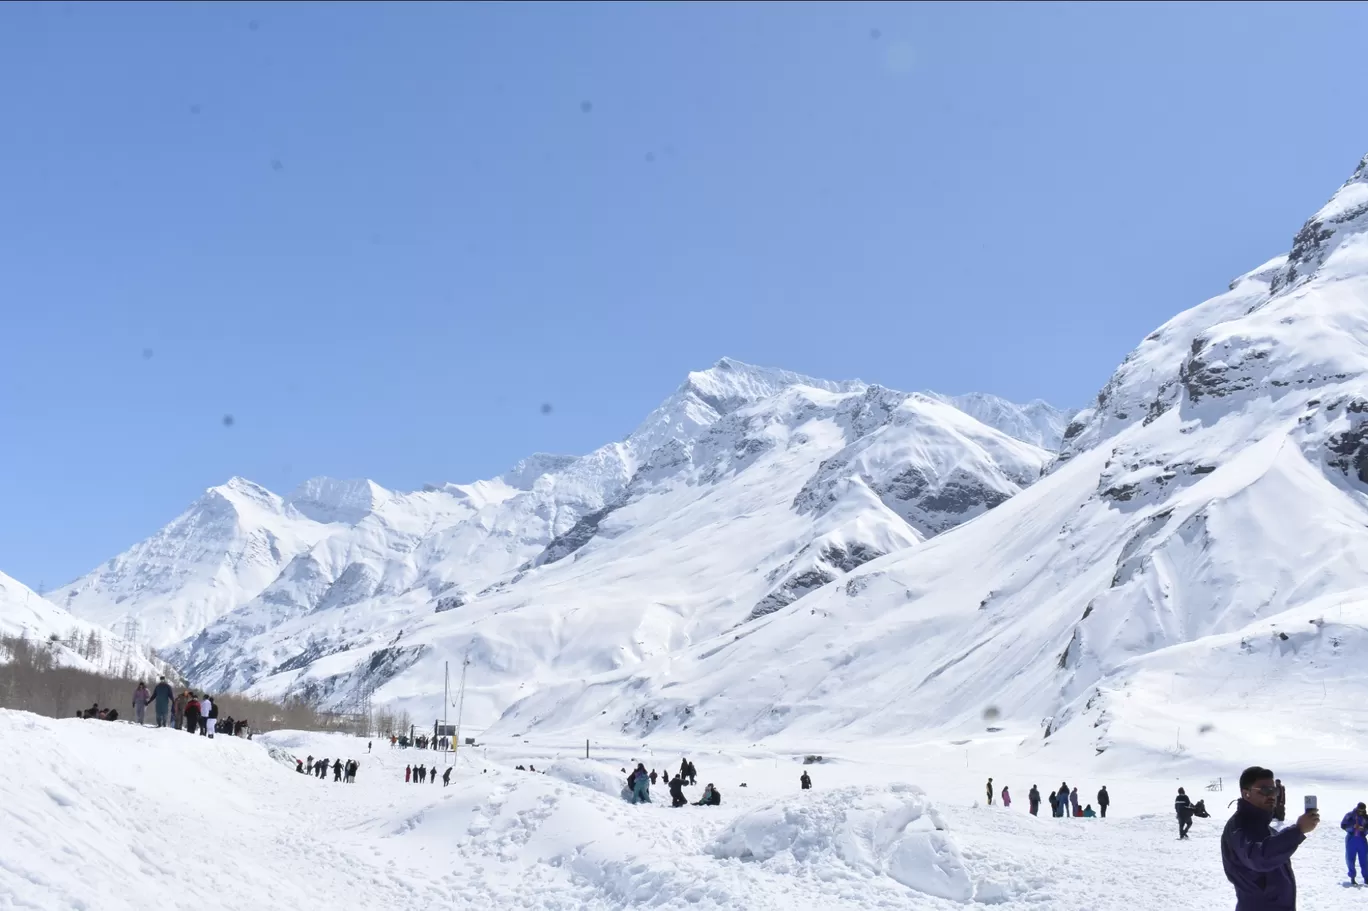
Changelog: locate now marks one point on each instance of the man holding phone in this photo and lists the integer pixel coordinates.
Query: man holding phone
(1257, 860)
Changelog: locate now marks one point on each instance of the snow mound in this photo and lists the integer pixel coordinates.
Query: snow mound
(894, 831)
(588, 774)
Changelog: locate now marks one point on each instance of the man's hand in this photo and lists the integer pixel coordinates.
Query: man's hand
(1308, 821)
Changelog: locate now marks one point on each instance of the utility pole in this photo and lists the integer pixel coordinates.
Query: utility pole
(460, 709)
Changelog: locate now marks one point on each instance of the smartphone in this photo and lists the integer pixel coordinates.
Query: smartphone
(1310, 802)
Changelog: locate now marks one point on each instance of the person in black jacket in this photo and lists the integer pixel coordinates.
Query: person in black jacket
(1183, 807)
(1034, 799)
(805, 780)
(677, 798)
(1103, 801)
(1257, 860)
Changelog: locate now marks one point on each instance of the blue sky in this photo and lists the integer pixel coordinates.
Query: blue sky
(382, 236)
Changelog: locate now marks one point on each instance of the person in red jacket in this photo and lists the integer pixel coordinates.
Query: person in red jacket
(408, 774)
(192, 714)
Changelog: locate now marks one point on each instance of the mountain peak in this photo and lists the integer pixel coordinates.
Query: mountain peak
(238, 492)
(524, 474)
(730, 384)
(330, 500)
(1036, 422)
(1335, 239)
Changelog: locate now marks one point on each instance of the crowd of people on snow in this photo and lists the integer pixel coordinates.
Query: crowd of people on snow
(1064, 801)
(639, 783)
(184, 712)
(421, 773)
(342, 771)
(421, 742)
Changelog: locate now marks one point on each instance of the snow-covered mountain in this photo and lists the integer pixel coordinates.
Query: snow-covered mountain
(229, 545)
(744, 491)
(73, 642)
(1036, 422)
(1199, 548)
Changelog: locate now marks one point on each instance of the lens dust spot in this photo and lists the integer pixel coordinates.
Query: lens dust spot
(147, 354)
(875, 34)
(253, 25)
(991, 713)
(546, 408)
(277, 165)
(586, 106)
(194, 109)
(650, 157)
(228, 420)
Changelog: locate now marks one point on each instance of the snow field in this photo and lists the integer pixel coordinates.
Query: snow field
(111, 816)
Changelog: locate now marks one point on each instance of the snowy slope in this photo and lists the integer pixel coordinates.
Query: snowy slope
(745, 490)
(877, 831)
(24, 614)
(1208, 516)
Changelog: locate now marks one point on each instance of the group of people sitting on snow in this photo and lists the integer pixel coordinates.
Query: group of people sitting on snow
(639, 783)
(344, 772)
(418, 774)
(1063, 802)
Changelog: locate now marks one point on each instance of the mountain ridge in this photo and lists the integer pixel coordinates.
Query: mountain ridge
(424, 554)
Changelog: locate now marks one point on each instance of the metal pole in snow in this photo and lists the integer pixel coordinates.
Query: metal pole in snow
(460, 709)
(586, 748)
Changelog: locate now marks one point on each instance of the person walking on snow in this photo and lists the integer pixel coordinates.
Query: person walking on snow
(990, 792)
(1034, 798)
(192, 714)
(677, 798)
(140, 699)
(1103, 801)
(1073, 801)
(1006, 797)
(163, 697)
(641, 785)
(337, 770)
(1183, 807)
(1258, 860)
(408, 774)
(446, 777)
(805, 780)
(181, 702)
(1063, 799)
(1355, 826)
(206, 709)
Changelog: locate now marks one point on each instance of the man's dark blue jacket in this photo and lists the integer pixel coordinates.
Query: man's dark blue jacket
(1258, 861)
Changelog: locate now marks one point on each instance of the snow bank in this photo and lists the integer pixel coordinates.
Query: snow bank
(892, 830)
(588, 774)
